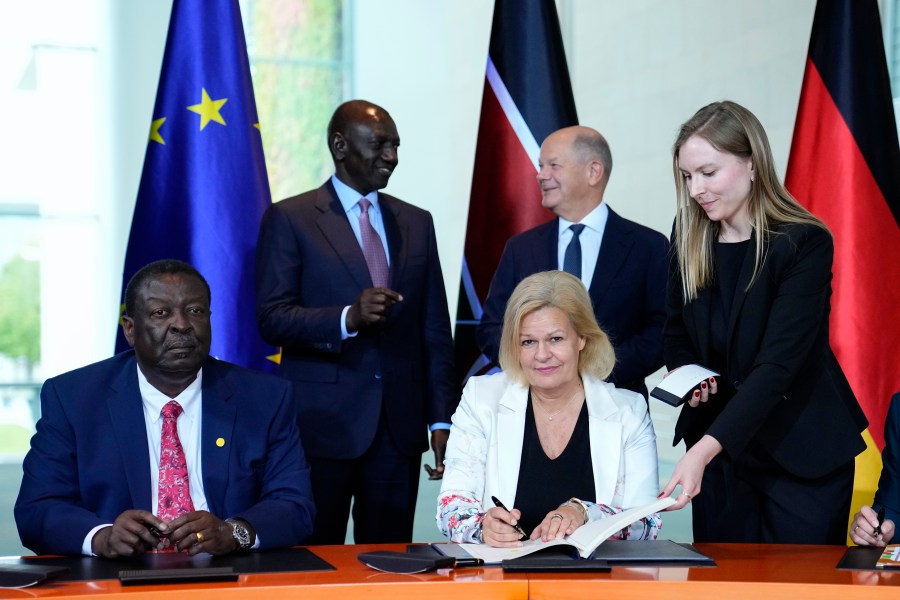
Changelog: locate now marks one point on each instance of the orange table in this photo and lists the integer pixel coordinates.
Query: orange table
(761, 572)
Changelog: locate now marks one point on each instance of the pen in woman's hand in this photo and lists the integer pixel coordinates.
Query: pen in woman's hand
(880, 518)
(518, 527)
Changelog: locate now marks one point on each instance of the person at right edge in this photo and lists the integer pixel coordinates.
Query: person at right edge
(867, 529)
(770, 443)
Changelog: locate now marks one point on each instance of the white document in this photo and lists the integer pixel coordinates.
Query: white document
(675, 388)
(585, 539)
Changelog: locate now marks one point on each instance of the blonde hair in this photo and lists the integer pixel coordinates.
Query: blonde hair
(729, 128)
(555, 289)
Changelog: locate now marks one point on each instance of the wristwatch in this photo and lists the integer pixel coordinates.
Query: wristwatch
(240, 533)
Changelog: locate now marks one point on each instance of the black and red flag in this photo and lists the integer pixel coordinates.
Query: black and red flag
(527, 96)
(845, 167)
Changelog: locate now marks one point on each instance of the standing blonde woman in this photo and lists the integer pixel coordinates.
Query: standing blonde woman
(771, 441)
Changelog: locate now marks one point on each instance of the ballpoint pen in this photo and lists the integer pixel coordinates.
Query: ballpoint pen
(880, 518)
(518, 527)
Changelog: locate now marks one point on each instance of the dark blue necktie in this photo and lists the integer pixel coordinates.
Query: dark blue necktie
(572, 259)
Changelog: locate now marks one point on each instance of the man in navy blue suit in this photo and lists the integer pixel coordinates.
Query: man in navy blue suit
(367, 345)
(91, 478)
(622, 264)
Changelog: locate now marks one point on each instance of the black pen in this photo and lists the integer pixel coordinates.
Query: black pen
(468, 562)
(518, 527)
(880, 521)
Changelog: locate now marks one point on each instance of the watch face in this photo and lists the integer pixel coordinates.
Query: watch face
(241, 534)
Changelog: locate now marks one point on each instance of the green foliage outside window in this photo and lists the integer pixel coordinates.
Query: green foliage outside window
(20, 310)
(296, 58)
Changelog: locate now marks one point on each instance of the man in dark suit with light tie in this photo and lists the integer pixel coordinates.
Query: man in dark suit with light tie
(164, 446)
(622, 264)
(349, 284)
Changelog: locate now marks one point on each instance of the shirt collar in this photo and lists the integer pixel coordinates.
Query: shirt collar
(349, 197)
(154, 399)
(596, 219)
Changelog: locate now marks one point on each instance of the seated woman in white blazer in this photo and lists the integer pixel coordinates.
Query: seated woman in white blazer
(547, 437)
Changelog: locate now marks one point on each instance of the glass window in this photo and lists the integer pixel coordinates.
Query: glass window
(300, 72)
(59, 273)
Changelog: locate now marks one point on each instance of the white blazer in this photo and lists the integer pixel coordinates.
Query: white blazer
(485, 446)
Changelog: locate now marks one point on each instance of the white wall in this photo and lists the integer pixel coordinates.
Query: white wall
(639, 69)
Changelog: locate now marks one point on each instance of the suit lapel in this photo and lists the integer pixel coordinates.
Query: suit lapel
(614, 249)
(546, 251)
(217, 437)
(126, 411)
(397, 230)
(510, 437)
(606, 440)
(336, 229)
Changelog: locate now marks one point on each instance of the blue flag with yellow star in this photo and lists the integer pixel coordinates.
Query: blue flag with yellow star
(204, 186)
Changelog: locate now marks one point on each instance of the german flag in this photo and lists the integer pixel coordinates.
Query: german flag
(527, 96)
(845, 167)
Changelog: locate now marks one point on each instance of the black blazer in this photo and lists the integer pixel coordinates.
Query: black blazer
(309, 267)
(789, 391)
(627, 291)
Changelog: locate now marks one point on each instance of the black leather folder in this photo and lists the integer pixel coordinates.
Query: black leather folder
(20, 574)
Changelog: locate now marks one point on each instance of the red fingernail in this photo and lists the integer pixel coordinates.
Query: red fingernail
(661, 494)
(712, 379)
(696, 393)
(703, 385)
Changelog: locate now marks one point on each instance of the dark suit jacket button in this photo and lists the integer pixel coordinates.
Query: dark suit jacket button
(378, 375)
(737, 384)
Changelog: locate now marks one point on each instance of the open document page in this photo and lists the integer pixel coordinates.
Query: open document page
(585, 539)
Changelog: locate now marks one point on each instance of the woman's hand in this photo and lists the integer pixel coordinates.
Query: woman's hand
(862, 532)
(689, 471)
(498, 528)
(559, 523)
(702, 393)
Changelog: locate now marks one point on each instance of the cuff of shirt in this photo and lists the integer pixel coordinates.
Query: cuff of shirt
(434, 426)
(87, 547)
(344, 333)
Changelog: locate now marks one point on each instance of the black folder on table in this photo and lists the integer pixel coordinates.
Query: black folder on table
(615, 553)
(651, 553)
(88, 568)
(860, 558)
(21, 574)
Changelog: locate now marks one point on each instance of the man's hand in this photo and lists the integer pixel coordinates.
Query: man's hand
(200, 531)
(439, 445)
(133, 532)
(373, 306)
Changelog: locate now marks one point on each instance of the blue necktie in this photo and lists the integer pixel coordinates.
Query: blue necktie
(572, 258)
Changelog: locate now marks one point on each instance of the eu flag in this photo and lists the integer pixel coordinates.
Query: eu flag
(204, 186)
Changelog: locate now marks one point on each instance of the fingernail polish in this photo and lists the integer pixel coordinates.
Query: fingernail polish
(703, 385)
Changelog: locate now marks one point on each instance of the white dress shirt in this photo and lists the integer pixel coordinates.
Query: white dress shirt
(591, 236)
(349, 199)
(189, 431)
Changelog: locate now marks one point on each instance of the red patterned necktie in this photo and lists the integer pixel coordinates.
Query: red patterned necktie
(372, 247)
(174, 489)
